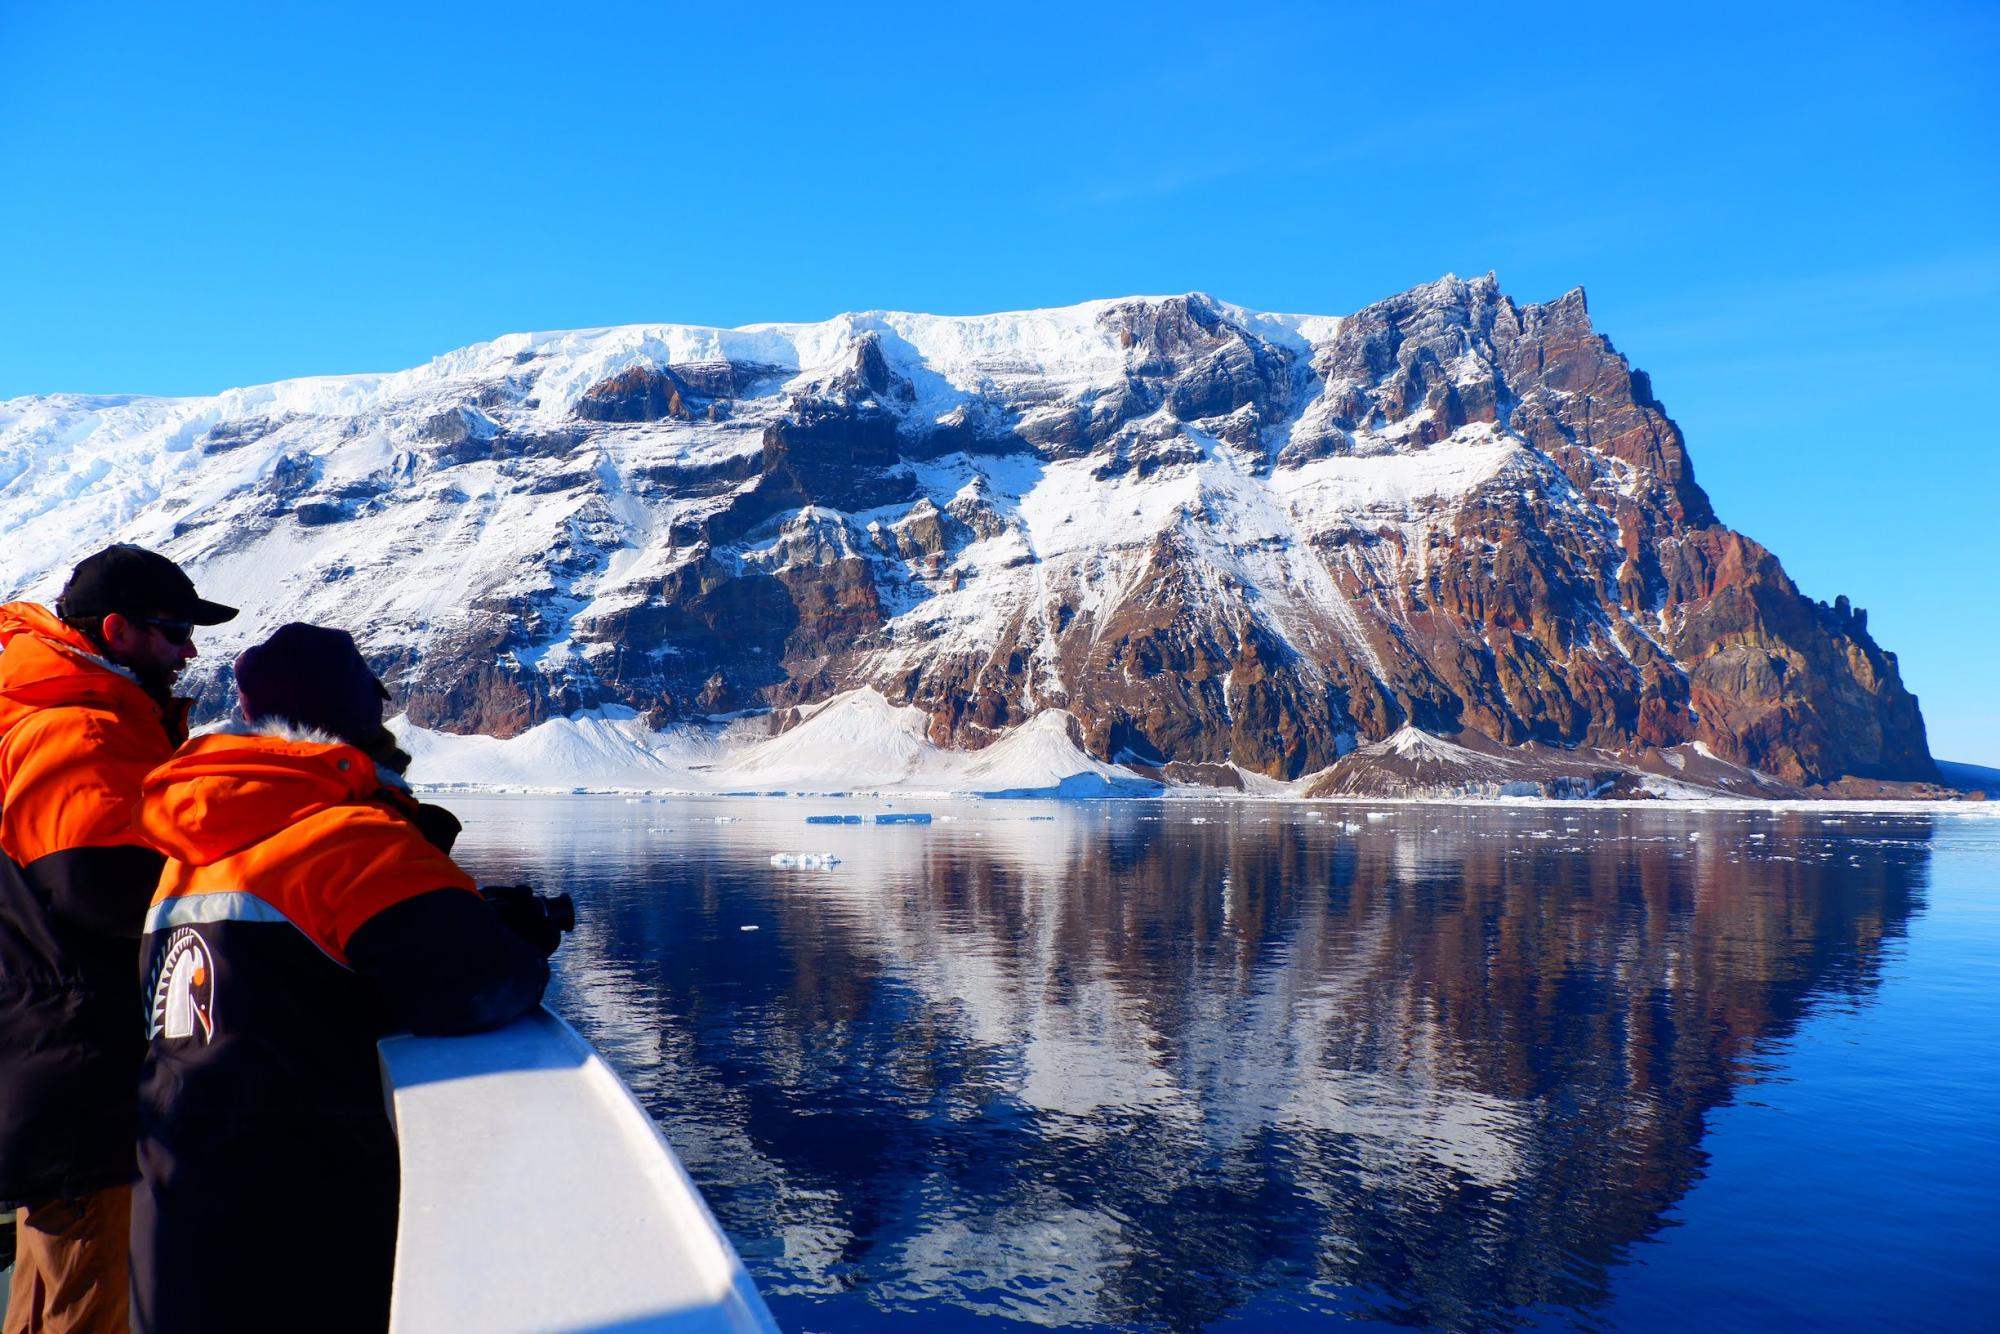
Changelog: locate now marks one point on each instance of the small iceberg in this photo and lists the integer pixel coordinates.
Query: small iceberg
(900, 817)
(805, 861)
(833, 819)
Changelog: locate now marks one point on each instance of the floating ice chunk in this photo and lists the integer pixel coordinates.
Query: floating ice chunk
(805, 861)
(1377, 817)
(833, 819)
(903, 817)
(748, 926)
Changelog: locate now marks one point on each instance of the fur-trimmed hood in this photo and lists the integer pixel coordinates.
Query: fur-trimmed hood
(284, 729)
(228, 789)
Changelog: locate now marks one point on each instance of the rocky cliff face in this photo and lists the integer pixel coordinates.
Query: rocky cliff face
(1214, 537)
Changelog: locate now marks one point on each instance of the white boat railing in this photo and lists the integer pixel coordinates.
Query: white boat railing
(538, 1197)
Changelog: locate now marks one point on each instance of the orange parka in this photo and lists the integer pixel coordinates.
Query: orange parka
(77, 736)
(293, 828)
(304, 912)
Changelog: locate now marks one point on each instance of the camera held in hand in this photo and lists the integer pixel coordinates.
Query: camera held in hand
(539, 919)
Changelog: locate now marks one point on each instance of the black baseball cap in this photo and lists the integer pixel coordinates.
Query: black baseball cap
(133, 581)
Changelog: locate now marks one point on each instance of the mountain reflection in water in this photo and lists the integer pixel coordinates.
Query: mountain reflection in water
(1156, 1065)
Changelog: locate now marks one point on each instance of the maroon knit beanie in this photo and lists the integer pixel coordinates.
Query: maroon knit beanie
(313, 677)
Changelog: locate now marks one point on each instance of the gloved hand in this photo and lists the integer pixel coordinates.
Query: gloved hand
(539, 919)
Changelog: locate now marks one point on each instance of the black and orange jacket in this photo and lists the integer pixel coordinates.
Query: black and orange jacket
(302, 915)
(77, 737)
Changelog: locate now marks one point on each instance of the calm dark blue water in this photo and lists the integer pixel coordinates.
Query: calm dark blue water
(1185, 1066)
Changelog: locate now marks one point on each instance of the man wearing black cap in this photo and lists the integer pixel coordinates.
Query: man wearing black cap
(86, 711)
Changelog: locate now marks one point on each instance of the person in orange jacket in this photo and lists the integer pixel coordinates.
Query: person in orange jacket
(86, 709)
(309, 906)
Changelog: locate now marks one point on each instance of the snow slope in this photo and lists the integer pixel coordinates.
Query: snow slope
(855, 742)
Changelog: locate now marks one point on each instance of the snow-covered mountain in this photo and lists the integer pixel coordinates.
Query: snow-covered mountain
(1169, 533)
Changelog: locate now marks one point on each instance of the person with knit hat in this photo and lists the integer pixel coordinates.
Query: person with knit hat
(309, 906)
(311, 672)
(87, 707)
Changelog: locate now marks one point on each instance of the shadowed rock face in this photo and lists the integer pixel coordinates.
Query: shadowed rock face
(1216, 538)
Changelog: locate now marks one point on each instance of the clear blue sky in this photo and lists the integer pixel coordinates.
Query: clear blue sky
(1786, 213)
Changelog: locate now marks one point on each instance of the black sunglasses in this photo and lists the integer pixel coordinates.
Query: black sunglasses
(177, 633)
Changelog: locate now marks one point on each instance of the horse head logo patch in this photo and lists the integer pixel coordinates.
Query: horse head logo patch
(184, 997)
